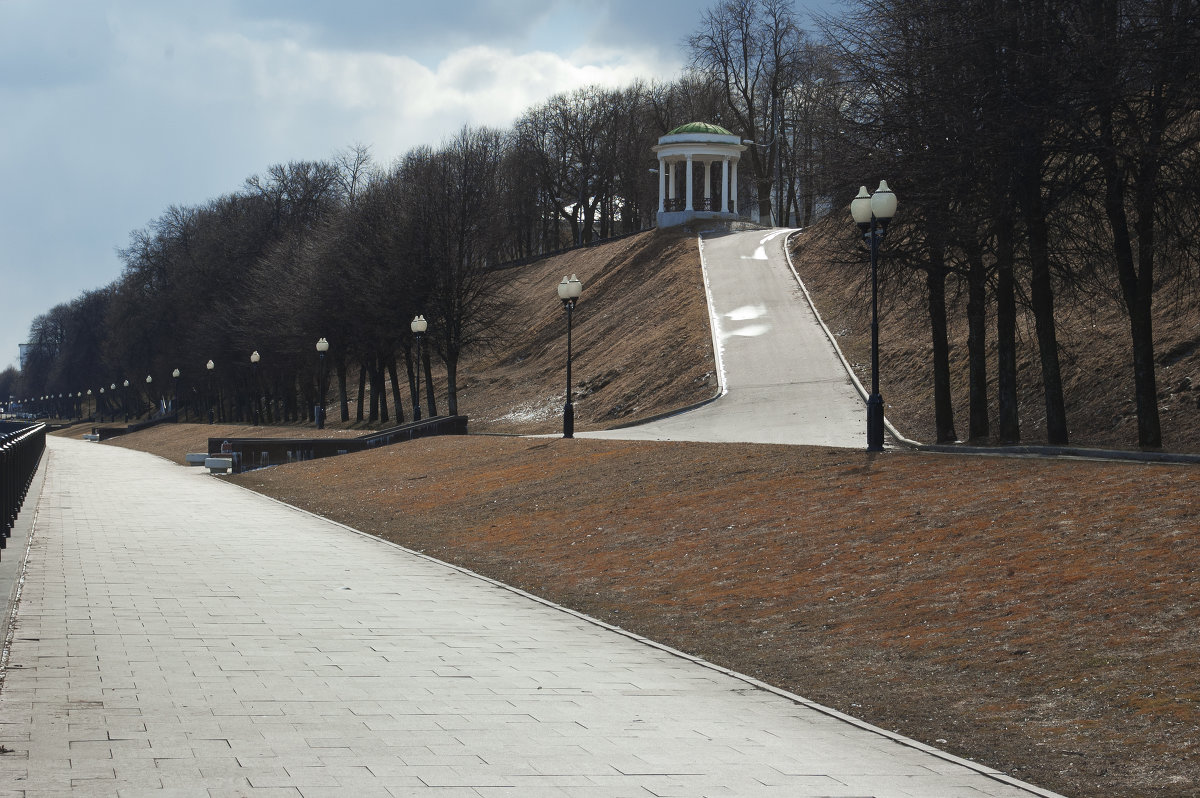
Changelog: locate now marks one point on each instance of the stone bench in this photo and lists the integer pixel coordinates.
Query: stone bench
(195, 458)
(91, 436)
(219, 465)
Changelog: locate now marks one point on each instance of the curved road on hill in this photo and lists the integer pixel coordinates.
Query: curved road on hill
(782, 381)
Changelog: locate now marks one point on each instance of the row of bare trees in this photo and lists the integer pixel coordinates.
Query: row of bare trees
(1045, 147)
(350, 250)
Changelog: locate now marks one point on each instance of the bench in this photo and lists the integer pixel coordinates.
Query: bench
(91, 436)
(195, 458)
(219, 465)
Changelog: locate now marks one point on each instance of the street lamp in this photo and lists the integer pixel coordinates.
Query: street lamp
(872, 213)
(568, 292)
(149, 395)
(125, 399)
(100, 401)
(322, 348)
(209, 366)
(418, 326)
(254, 358)
(175, 390)
(92, 402)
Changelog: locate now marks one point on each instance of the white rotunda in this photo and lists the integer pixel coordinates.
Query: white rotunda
(685, 146)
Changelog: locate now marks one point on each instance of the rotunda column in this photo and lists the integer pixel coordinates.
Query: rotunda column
(733, 187)
(707, 184)
(688, 206)
(724, 184)
(662, 185)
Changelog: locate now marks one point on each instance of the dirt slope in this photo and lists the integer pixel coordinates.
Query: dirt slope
(1093, 338)
(641, 343)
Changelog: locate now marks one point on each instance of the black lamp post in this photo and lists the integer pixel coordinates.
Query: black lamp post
(418, 326)
(873, 213)
(175, 390)
(150, 395)
(254, 403)
(100, 408)
(322, 348)
(209, 366)
(125, 400)
(569, 291)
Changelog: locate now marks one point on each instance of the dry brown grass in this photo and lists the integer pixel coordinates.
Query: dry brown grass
(1093, 336)
(1040, 617)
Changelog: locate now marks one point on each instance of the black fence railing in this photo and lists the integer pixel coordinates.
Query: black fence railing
(250, 453)
(701, 204)
(20, 452)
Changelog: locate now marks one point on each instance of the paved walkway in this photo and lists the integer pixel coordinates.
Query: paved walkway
(783, 380)
(179, 636)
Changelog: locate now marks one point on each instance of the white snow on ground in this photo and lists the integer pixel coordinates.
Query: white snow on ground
(536, 410)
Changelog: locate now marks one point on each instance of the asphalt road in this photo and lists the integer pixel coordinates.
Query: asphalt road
(781, 377)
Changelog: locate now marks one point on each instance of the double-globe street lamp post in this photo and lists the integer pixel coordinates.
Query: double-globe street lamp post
(873, 212)
(319, 410)
(255, 406)
(569, 291)
(418, 326)
(209, 366)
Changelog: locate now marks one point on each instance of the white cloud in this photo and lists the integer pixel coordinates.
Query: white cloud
(302, 93)
(114, 112)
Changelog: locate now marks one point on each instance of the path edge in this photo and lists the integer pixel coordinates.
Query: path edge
(895, 737)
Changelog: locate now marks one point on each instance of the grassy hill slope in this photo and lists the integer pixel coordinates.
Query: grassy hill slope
(1093, 337)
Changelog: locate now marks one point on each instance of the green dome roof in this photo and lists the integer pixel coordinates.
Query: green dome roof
(700, 127)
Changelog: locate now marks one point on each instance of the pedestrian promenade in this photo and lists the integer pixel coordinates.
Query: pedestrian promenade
(176, 635)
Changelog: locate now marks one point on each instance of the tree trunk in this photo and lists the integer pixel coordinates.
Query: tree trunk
(1042, 298)
(943, 408)
(764, 201)
(979, 429)
(391, 366)
(414, 396)
(379, 390)
(1137, 282)
(343, 400)
(1006, 335)
(451, 385)
(362, 390)
(1141, 328)
(432, 404)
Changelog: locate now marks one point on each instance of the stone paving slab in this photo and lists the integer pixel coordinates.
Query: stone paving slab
(180, 636)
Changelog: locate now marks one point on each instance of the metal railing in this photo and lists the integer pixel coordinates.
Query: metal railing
(250, 453)
(20, 452)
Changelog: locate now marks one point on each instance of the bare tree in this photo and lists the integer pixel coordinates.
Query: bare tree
(750, 49)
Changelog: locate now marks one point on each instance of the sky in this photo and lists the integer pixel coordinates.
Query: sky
(111, 112)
